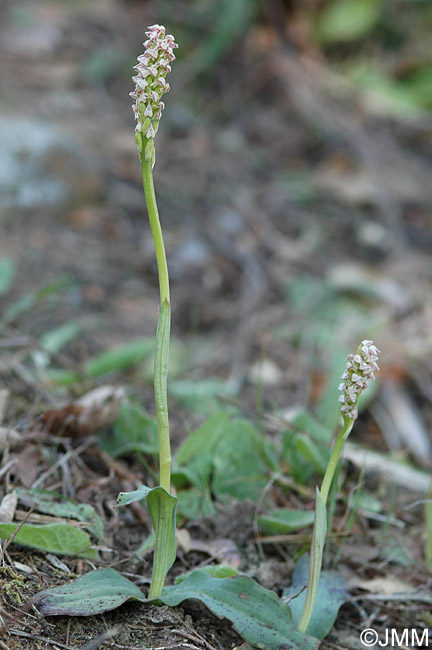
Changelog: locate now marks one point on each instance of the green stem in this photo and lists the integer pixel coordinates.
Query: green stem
(150, 197)
(320, 526)
(164, 525)
(334, 459)
(163, 331)
(160, 390)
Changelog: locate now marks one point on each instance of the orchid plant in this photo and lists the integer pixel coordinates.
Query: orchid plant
(259, 616)
(359, 371)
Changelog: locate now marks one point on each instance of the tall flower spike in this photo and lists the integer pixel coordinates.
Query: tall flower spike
(358, 372)
(150, 86)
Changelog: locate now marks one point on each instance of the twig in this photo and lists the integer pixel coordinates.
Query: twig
(16, 531)
(105, 636)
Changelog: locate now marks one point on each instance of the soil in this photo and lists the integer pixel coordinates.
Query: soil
(284, 198)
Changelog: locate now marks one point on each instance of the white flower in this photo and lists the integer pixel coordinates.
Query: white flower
(150, 82)
(358, 372)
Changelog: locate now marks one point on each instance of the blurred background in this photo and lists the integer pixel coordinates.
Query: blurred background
(293, 175)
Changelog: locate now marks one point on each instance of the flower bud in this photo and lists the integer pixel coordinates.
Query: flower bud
(358, 372)
(150, 82)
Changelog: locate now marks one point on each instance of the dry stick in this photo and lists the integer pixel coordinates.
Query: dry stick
(16, 531)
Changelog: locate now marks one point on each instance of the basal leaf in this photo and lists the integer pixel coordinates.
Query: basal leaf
(332, 593)
(95, 592)
(60, 539)
(257, 614)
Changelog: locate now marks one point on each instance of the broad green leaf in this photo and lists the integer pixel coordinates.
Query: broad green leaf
(60, 539)
(332, 593)
(194, 503)
(280, 521)
(95, 592)
(203, 440)
(162, 507)
(120, 358)
(257, 614)
(238, 467)
(55, 339)
(133, 431)
(7, 272)
(348, 20)
(53, 503)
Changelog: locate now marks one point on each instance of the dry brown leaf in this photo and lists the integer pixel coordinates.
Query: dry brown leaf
(92, 412)
(9, 436)
(387, 585)
(26, 468)
(8, 507)
(224, 550)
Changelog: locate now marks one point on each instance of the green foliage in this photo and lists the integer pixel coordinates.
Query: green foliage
(347, 20)
(332, 593)
(133, 432)
(60, 539)
(55, 504)
(257, 614)
(205, 46)
(27, 302)
(315, 564)
(54, 340)
(311, 452)
(199, 396)
(225, 455)
(280, 521)
(162, 506)
(7, 273)
(238, 468)
(94, 593)
(121, 358)
(305, 445)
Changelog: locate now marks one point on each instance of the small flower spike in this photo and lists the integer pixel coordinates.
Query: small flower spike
(358, 372)
(150, 84)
